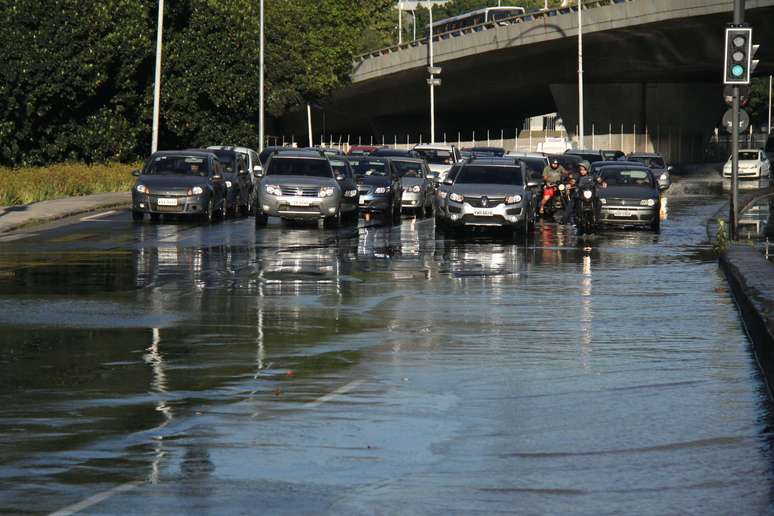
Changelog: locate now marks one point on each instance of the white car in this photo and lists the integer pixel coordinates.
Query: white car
(753, 164)
(440, 158)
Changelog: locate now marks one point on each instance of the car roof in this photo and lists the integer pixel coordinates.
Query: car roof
(296, 153)
(433, 146)
(491, 160)
(186, 152)
(487, 149)
(644, 155)
(407, 159)
(236, 148)
(619, 164)
(386, 151)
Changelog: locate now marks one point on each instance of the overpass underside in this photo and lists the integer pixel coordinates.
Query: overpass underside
(654, 64)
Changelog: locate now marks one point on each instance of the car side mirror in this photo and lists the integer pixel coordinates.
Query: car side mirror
(670, 168)
(243, 172)
(217, 177)
(340, 178)
(136, 173)
(258, 171)
(448, 182)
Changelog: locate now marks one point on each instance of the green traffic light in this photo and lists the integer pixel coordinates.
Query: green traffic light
(737, 70)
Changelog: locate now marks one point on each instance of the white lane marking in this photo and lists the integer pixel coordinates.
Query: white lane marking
(98, 215)
(101, 497)
(344, 389)
(97, 498)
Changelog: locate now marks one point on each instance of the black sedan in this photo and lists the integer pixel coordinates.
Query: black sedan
(630, 197)
(180, 183)
(379, 187)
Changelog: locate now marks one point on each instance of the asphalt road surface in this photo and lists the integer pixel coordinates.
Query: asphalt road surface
(177, 368)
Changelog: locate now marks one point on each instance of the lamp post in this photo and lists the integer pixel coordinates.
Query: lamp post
(157, 80)
(581, 129)
(261, 127)
(432, 81)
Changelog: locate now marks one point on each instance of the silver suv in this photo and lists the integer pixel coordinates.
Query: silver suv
(485, 192)
(301, 185)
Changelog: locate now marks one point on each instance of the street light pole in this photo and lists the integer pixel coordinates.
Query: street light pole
(309, 123)
(769, 126)
(157, 80)
(581, 129)
(432, 81)
(261, 126)
(400, 23)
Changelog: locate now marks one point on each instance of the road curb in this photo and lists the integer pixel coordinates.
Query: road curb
(751, 278)
(35, 220)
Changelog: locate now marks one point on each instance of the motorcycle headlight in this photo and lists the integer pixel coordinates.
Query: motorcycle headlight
(456, 197)
(587, 194)
(196, 190)
(228, 184)
(648, 202)
(513, 199)
(603, 200)
(142, 189)
(561, 188)
(327, 191)
(350, 193)
(382, 190)
(273, 190)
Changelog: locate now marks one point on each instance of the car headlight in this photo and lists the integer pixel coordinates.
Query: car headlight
(228, 184)
(413, 189)
(327, 191)
(142, 189)
(382, 190)
(513, 199)
(196, 190)
(456, 197)
(603, 200)
(648, 202)
(587, 194)
(273, 190)
(442, 194)
(350, 193)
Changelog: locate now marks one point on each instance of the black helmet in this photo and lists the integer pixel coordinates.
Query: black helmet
(554, 161)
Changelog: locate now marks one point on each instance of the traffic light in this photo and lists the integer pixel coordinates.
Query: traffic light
(738, 65)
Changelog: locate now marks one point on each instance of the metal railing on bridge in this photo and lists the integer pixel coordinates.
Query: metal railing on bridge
(522, 18)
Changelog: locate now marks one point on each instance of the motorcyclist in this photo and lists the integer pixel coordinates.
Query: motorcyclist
(552, 175)
(586, 181)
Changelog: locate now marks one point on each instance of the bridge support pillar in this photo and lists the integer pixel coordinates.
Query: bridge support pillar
(673, 119)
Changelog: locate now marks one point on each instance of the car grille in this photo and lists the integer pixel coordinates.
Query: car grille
(167, 193)
(477, 202)
(305, 209)
(300, 191)
(623, 202)
(364, 190)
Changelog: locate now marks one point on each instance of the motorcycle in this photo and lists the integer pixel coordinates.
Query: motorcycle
(555, 205)
(586, 209)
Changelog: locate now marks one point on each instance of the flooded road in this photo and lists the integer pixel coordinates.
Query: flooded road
(174, 368)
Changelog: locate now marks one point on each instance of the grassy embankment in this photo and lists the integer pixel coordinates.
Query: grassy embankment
(26, 185)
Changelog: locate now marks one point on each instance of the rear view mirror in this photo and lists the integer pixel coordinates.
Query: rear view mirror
(340, 178)
(136, 173)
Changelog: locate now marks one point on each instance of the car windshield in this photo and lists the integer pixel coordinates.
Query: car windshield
(339, 167)
(370, 167)
(489, 152)
(748, 156)
(624, 177)
(612, 155)
(408, 169)
(591, 158)
(489, 175)
(177, 165)
(649, 161)
(299, 167)
(436, 156)
(535, 166)
(228, 159)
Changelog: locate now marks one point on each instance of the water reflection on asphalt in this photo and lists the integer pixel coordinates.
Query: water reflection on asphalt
(376, 369)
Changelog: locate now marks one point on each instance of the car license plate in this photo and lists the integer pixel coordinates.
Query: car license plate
(482, 213)
(298, 203)
(622, 213)
(167, 202)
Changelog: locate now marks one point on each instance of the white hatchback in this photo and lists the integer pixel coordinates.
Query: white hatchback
(753, 164)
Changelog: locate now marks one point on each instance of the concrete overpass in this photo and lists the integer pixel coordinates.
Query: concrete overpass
(649, 63)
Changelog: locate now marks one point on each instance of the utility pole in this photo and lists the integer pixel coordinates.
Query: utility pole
(769, 126)
(581, 129)
(734, 211)
(261, 127)
(400, 23)
(309, 122)
(157, 79)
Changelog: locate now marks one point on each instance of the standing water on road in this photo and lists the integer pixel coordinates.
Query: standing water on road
(184, 369)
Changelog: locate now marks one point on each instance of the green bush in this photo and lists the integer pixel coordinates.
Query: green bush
(26, 185)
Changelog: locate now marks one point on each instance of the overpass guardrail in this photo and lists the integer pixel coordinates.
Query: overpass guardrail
(522, 18)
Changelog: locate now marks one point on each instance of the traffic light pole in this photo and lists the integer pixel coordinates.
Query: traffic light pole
(734, 211)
